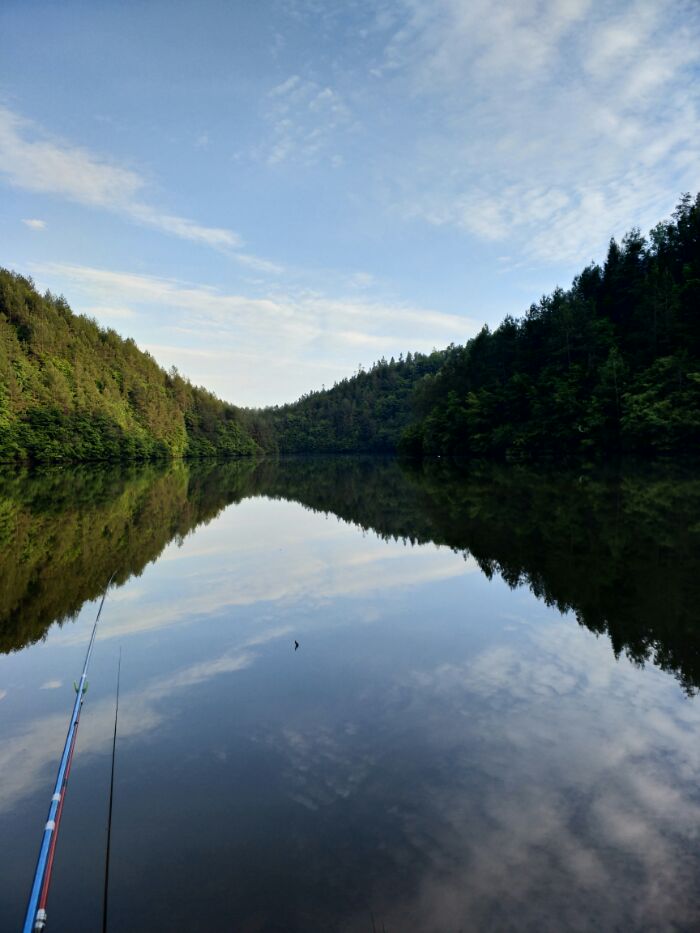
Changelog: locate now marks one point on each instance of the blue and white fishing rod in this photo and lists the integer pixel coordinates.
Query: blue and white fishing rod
(35, 918)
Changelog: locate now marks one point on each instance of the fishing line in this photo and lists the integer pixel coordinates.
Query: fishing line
(111, 800)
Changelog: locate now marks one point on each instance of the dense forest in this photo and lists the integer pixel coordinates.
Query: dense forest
(610, 366)
(70, 390)
(366, 412)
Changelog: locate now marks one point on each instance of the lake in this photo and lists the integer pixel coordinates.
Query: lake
(490, 722)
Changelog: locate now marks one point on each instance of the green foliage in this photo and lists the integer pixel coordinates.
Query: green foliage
(70, 390)
(367, 412)
(609, 366)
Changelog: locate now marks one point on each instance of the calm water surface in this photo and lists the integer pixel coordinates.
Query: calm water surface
(490, 723)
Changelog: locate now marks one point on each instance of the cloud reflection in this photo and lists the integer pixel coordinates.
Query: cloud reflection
(25, 758)
(534, 781)
(297, 557)
(515, 774)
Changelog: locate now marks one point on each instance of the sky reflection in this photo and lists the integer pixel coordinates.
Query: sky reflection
(442, 753)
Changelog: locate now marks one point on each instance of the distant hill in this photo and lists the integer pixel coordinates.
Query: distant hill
(367, 412)
(70, 390)
(610, 366)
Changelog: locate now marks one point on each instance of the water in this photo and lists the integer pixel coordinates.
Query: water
(490, 722)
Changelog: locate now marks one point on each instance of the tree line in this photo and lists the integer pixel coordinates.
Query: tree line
(365, 412)
(609, 366)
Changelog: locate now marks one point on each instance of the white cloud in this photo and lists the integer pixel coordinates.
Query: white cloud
(552, 123)
(35, 224)
(32, 160)
(259, 265)
(263, 349)
(185, 229)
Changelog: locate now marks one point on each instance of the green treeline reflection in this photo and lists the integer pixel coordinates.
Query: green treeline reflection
(64, 531)
(622, 551)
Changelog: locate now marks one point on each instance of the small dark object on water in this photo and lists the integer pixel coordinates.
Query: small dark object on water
(296, 644)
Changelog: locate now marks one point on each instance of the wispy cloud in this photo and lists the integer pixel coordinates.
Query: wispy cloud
(551, 123)
(259, 265)
(305, 120)
(183, 228)
(33, 160)
(262, 349)
(25, 757)
(35, 224)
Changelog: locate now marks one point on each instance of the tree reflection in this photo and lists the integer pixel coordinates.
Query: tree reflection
(621, 550)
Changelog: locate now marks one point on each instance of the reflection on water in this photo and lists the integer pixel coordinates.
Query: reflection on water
(64, 531)
(444, 751)
(622, 552)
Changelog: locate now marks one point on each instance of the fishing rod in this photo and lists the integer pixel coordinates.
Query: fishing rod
(35, 918)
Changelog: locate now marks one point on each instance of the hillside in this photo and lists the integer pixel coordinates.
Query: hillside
(70, 390)
(610, 366)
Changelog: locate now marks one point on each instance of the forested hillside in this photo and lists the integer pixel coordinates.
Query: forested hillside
(610, 366)
(70, 390)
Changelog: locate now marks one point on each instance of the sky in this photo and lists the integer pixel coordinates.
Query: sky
(268, 195)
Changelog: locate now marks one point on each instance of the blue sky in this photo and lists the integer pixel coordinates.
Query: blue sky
(268, 194)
